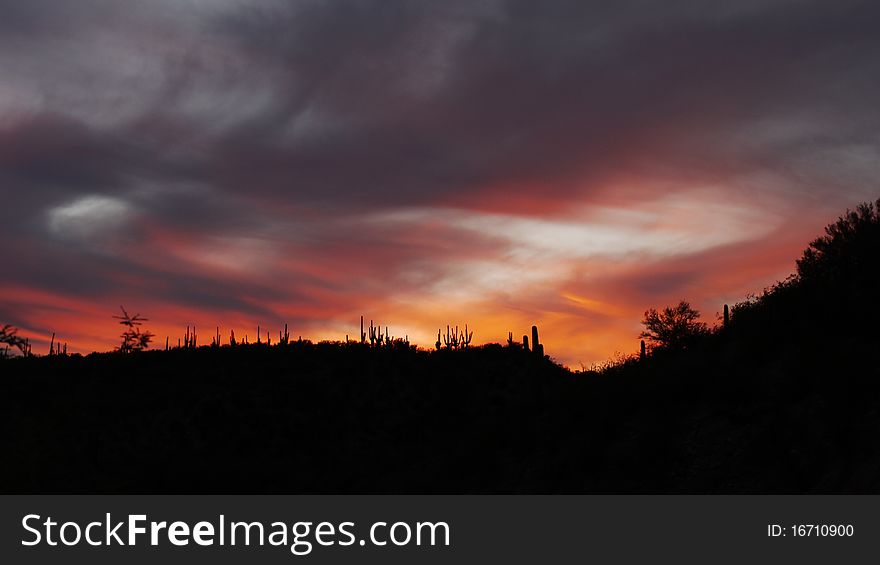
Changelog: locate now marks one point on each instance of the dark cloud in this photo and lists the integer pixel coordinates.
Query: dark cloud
(408, 103)
(394, 103)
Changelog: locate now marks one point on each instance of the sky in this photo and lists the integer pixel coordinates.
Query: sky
(499, 163)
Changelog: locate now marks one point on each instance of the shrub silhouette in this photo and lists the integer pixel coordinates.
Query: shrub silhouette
(673, 327)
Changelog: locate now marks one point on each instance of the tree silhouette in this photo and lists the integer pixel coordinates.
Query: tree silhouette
(673, 327)
(133, 339)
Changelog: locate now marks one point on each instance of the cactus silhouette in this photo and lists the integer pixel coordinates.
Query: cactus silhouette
(466, 337)
(189, 338)
(450, 340)
(537, 346)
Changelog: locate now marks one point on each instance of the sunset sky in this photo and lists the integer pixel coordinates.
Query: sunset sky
(501, 163)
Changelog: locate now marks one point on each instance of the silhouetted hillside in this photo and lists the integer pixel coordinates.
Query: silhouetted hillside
(785, 399)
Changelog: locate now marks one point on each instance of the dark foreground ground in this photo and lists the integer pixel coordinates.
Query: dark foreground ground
(322, 418)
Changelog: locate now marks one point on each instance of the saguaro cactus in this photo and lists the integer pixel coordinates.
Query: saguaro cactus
(726, 317)
(466, 337)
(537, 346)
(450, 340)
(376, 337)
(189, 338)
(642, 350)
(526, 342)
